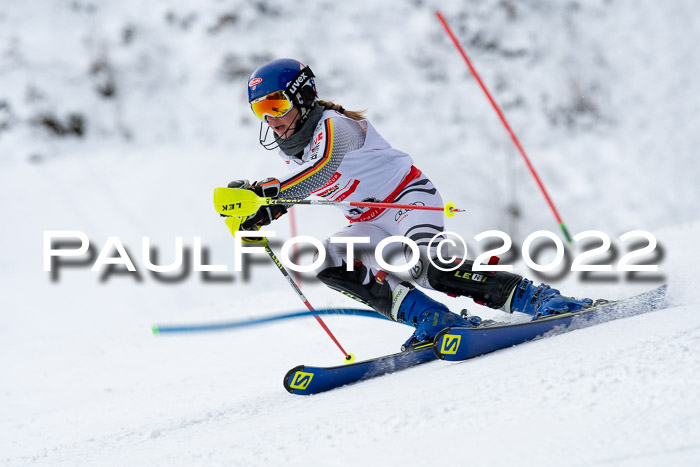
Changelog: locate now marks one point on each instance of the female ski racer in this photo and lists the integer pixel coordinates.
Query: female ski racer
(338, 155)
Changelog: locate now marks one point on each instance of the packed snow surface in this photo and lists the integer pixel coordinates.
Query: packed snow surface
(117, 119)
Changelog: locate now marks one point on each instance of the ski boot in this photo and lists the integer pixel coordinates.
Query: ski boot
(427, 315)
(542, 300)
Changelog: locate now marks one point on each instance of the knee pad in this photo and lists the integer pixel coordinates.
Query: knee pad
(491, 289)
(376, 293)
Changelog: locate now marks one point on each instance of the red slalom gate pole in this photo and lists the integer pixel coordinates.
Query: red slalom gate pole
(505, 124)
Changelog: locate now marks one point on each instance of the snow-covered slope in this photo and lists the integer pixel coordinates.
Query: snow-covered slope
(85, 383)
(600, 93)
(602, 98)
(622, 394)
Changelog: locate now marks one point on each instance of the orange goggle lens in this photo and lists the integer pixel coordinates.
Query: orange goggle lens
(274, 104)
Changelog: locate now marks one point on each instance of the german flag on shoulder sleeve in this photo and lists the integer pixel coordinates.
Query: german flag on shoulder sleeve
(323, 150)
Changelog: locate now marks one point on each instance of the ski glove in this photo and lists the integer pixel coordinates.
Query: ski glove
(268, 188)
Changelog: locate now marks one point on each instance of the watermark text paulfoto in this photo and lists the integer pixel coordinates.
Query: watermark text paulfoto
(76, 244)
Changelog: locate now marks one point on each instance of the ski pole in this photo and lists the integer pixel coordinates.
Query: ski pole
(241, 202)
(349, 358)
(505, 124)
(295, 248)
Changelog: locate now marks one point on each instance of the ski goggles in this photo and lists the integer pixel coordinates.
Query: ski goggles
(276, 104)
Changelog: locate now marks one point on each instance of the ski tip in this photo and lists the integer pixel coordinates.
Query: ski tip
(295, 384)
(155, 330)
(349, 358)
(436, 343)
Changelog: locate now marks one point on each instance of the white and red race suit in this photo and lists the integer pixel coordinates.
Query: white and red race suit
(347, 160)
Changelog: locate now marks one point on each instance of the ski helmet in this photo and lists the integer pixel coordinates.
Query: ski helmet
(291, 78)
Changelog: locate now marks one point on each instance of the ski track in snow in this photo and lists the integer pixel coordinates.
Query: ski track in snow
(621, 392)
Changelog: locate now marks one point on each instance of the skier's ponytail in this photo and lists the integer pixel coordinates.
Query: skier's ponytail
(354, 114)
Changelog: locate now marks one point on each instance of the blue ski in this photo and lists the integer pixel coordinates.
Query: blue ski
(305, 380)
(462, 343)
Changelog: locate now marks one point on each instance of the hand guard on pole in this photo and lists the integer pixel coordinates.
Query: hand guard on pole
(267, 188)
